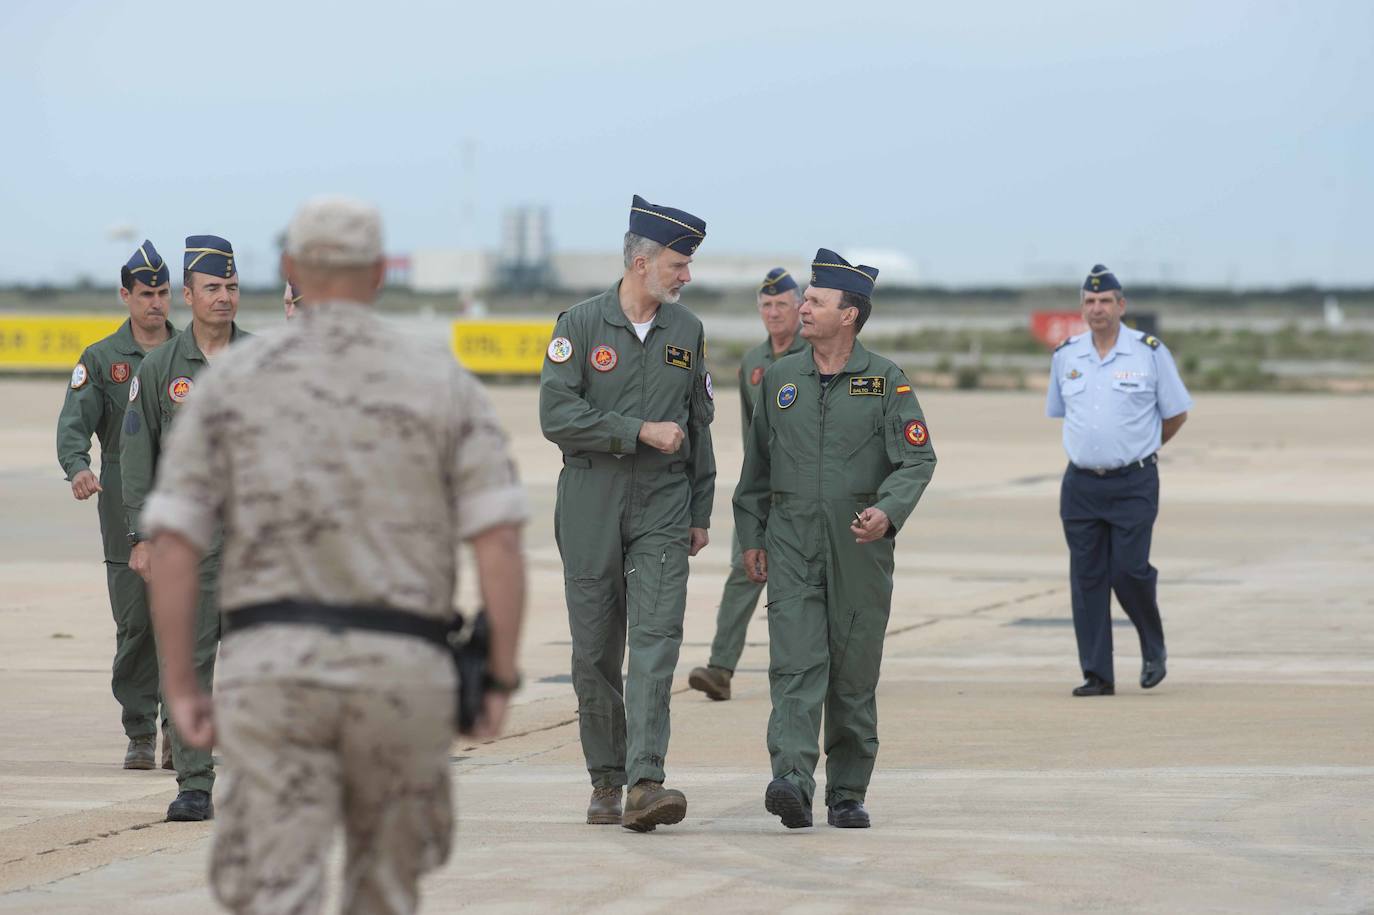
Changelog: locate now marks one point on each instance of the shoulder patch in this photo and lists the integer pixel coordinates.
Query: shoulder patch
(80, 376)
(560, 350)
(1151, 342)
(133, 390)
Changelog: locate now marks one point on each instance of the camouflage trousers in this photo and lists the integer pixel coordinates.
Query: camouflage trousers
(302, 759)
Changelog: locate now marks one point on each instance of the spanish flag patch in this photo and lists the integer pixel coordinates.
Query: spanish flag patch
(903, 389)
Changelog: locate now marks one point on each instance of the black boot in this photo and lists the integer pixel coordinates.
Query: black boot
(848, 815)
(191, 807)
(784, 800)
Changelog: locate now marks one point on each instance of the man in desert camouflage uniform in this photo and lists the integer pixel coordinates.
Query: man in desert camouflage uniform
(344, 495)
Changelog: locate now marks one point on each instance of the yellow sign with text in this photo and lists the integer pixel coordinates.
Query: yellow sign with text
(34, 342)
(502, 347)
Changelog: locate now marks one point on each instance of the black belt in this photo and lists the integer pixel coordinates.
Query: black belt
(337, 618)
(1132, 467)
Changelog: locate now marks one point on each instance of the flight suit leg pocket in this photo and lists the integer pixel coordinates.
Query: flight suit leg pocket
(656, 591)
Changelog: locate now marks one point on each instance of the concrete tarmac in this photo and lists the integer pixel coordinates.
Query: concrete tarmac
(1244, 783)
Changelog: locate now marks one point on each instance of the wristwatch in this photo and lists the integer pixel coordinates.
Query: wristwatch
(135, 538)
(493, 685)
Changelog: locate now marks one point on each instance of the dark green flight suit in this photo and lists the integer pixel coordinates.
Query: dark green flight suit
(94, 405)
(165, 381)
(623, 515)
(740, 595)
(813, 458)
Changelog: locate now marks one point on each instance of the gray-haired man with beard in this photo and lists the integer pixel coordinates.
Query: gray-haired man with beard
(625, 395)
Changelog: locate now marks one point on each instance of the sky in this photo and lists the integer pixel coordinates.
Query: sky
(1218, 143)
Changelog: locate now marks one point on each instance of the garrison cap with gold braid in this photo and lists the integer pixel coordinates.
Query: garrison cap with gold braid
(146, 266)
(830, 271)
(209, 254)
(671, 228)
(776, 282)
(1100, 280)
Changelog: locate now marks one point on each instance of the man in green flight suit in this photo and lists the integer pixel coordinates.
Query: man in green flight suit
(778, 299)
(210, 285)
(625, 395)
(836, 459)
(95, 405)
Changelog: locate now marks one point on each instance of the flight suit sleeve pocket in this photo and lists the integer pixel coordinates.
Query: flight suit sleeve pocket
(703, 400)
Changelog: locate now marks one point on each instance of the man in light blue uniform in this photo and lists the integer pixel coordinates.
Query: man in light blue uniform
(1121, 399)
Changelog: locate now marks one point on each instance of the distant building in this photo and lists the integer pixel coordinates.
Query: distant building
(528, 261)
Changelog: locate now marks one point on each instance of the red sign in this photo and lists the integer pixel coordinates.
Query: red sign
(1054, 327)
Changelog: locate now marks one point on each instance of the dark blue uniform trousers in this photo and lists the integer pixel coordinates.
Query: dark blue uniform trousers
(1108, 521)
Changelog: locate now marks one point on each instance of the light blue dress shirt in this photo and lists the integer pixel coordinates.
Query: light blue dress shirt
(1114, 407)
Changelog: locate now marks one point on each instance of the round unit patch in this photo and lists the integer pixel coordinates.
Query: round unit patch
(179, 389)
(79, 377)
(756, 375)
(560, 350)
(710, 388)
(133, 390)
(916, 433)
(787, 395)
(604, 358)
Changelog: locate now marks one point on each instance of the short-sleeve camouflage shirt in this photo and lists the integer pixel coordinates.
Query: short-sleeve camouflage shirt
(346, 461)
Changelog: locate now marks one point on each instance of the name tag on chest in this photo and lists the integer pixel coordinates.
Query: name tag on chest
(874, 385)
(676, 355)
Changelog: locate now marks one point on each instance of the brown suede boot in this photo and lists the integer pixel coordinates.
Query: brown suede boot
(140, 754)
(713, 681)
(604, 809)
(649, 805)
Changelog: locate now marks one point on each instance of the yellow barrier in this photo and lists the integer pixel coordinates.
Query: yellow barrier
(33, 342)
(502, 347)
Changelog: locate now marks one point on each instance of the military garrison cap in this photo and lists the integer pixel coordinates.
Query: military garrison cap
(209, 254)
(671, 228)
(1100, 279)
(830, 271)
(776, 282)
(146, 266)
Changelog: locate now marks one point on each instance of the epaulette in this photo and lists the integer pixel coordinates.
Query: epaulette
(1151, 342)
(1067, 341)
(560, 316)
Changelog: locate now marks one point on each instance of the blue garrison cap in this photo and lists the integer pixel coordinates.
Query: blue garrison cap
(1100, 280)
(777, 281)
(209, 254)
(146, 266)
(830, 271)
(671, 228)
